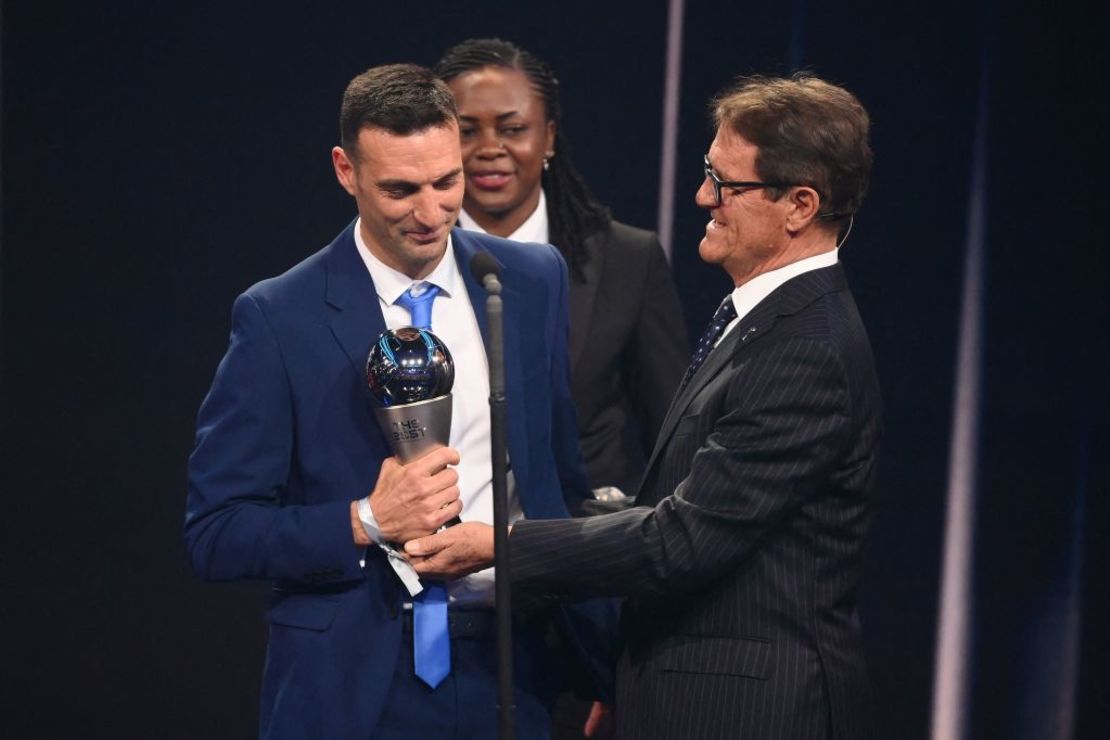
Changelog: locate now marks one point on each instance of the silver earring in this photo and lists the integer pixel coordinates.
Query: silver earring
(546, 164)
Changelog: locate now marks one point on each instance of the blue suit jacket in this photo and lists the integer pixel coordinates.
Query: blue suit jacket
(286, 439)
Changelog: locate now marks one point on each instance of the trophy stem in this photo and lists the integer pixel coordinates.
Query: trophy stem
(415, 429)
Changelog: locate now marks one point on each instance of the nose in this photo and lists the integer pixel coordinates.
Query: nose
(489, 144)
(706, 196)
(425, 209)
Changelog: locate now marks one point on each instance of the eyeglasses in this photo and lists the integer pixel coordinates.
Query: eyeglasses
(718, 183)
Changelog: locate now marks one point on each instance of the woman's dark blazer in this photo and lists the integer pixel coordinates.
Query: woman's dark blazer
(628, 352)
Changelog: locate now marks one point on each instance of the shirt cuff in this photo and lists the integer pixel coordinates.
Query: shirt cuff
(397, 561)
(369, 522)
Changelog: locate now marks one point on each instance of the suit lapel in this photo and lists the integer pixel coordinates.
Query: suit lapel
(788, 298)
(465, 249)
(351, 290)
(466, 246)
(514, 384)
(750, 327)
(753, 326)
(583, 295)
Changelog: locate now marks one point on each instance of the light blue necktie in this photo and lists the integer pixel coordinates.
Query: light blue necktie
(420, 303)
(431, 644)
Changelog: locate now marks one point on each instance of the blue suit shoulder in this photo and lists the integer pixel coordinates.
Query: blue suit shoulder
(533, 259)
(307, 278)
(305, 286)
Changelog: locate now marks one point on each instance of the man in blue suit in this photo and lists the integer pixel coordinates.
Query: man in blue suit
(292, 480)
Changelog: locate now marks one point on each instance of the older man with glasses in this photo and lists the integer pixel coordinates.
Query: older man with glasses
(740, 556)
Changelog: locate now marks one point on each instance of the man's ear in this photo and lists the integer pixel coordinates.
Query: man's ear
(344, 169)
(803, 206)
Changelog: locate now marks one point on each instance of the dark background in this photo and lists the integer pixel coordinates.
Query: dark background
(160, 157)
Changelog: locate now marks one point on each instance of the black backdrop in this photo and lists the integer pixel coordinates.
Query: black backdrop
(160, 157)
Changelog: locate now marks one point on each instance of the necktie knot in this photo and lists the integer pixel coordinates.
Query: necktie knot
(724, 315)
(726, 311)
(418, 300)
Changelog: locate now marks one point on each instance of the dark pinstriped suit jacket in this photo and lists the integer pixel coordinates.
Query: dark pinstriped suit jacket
(740, 560)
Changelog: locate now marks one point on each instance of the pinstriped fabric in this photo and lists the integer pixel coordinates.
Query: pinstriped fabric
(741, 559)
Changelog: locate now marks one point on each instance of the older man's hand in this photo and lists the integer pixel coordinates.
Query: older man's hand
(455, 552)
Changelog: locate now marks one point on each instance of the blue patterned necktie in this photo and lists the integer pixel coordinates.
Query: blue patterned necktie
(431, 644)
(418, 300)
(726, 312)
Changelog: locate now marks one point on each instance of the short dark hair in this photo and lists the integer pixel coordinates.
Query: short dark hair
(808, 132)
(573, 211)
(400, 98)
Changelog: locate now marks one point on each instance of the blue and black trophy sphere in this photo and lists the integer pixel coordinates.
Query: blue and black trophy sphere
(410, 372)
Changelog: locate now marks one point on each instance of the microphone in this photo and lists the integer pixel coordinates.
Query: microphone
(486, 271)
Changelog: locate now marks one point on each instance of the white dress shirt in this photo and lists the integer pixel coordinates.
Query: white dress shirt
(453, 321)
(534, 228)
(747, 296)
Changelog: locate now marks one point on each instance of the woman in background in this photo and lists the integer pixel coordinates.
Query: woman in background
(628, 348)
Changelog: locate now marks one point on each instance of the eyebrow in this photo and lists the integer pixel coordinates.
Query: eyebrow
(500, 116)
(387, 184)
(453, 173)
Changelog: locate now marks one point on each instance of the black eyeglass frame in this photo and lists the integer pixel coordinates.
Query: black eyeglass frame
(718, 183)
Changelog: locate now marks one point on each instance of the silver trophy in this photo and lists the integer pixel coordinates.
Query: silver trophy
(410, 372)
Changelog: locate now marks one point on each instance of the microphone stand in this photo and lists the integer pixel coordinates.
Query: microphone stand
(498, 444)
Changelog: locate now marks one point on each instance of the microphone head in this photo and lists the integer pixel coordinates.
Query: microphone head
(483, 264)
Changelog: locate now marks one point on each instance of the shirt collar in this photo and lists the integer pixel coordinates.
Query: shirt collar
(534, 228)
(747, 296)
(390, 284)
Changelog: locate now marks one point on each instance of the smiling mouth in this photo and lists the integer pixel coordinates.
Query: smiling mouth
(425, 237)
(490, 180)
